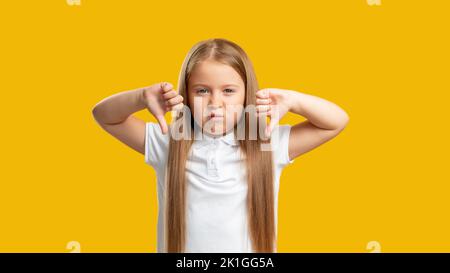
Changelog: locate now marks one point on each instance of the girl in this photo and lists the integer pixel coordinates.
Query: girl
(218, 192)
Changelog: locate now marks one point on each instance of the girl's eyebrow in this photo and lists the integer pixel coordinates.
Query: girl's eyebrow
(202, 84)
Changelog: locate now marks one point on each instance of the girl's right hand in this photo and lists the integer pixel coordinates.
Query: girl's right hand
(160, 98)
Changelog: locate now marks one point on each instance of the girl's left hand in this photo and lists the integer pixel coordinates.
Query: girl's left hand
(274, 103)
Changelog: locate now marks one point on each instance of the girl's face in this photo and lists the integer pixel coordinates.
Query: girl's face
(216, 95)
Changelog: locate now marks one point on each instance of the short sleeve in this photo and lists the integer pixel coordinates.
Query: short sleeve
(156, 146)
(280, 145)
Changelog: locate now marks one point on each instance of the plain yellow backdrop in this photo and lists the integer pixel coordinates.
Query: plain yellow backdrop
(384, 179)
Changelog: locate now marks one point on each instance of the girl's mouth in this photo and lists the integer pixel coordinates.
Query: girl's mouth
(215, 116)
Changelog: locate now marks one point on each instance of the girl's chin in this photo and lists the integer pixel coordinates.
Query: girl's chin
(214, 130)
(215, 126)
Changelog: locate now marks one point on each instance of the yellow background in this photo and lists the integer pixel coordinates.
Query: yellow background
(385, 178)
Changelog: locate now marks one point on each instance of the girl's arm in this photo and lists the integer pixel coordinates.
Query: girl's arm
(114, 113)
(325, 120)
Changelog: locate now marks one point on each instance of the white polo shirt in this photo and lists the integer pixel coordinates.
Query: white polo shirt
(216, 207)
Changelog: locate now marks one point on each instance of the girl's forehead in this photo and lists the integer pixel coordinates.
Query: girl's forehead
(214, 73)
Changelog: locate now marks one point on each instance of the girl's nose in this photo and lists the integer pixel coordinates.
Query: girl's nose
(216, 100)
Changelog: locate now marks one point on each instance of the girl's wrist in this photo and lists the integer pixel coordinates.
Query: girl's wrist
(145, 94)
(141, 96)
(291, 100)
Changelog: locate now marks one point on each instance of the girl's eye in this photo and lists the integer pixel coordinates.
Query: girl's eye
(202, 91)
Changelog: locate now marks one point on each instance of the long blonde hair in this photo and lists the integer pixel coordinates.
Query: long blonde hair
(260, 195)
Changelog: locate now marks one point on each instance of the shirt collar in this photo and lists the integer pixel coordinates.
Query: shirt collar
(203, 139)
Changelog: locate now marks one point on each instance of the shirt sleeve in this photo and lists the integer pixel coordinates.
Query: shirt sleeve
(280, 145)
(156, 146)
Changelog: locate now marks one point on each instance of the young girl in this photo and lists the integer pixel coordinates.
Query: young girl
(218, 192)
